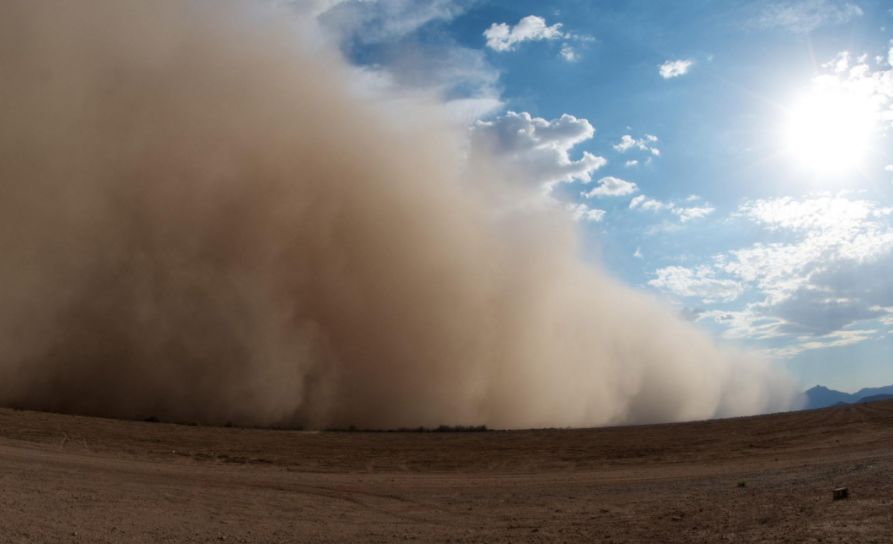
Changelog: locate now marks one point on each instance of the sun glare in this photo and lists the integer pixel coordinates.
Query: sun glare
(828, 131)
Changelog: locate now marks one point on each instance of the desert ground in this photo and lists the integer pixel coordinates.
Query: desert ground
(760, 479)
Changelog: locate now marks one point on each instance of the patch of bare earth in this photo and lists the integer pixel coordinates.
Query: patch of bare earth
(761, 479)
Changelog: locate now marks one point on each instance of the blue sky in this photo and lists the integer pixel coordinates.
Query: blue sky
(732, 158)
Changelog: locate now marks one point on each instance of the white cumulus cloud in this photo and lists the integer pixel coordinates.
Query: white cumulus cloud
(536, 150)
(821, 269)
(611, 186)
(643, 202)
(675, 68)
(505, 37)
(647, 143)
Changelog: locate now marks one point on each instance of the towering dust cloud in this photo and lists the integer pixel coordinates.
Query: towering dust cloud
(198, 222)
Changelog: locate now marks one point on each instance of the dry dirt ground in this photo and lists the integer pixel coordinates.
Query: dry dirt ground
(761, 479)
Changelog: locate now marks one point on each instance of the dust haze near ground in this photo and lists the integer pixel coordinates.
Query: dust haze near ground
(200, 222)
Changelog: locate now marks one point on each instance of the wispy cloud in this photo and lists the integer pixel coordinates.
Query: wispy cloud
(805, 15)
(683, 213)
(582, 212)
(699, 282)
(438, 67)
(836, 339)
(382, 20)
(568, 53)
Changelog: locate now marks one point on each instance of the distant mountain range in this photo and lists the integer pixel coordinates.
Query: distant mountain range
(821, 397)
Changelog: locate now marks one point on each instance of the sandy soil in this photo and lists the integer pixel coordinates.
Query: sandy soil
(761, 479)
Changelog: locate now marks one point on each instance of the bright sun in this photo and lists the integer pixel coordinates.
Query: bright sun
(829, 130)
